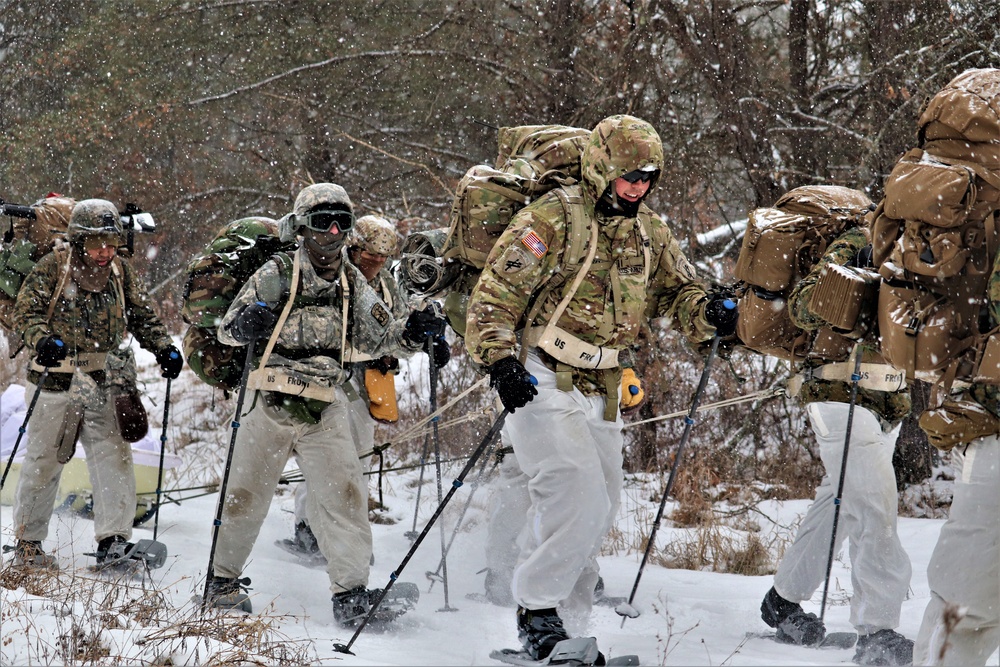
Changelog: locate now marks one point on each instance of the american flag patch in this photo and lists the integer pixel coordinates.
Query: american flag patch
(534, 244)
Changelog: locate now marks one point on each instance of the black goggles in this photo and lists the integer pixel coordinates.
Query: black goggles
(325, 220)
(639, 175)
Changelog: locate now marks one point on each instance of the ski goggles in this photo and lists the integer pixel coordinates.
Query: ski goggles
(637, 175)
(324, 220)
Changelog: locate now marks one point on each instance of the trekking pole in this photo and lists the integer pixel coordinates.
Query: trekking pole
(626, 610)
(487, 441)
(412, 534)
(443, 564)
(855, 378)
(163, 449)
(229, 462)
(24, 425)
(435, 575)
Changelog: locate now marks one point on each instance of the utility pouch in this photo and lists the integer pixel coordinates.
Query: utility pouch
(381, 388)
(845, 297)
(69, 432)
(957, 423)
(989, 363)
(133, 423)
(764, 326)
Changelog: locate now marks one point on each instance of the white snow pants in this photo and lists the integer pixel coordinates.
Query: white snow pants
(964, 570)
(573, 461)
(880, 568)
(363, 434)
(109, 462)
(508, 507)
(337, 503)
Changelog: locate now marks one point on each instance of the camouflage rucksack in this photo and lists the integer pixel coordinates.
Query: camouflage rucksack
(214, 279)
(33, 232)
(531, 160)
(780, 246)
(935, 234)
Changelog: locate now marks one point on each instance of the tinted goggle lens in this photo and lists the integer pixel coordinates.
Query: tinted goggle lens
(639, 175)
(324, 221)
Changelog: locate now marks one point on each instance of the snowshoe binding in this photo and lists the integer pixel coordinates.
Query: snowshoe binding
(885, 647)
(572, 652)
(116, 552)
(351, 607)
(29, 554)
(304, 546)
(229, 593)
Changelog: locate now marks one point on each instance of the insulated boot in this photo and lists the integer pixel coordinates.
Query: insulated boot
(112, 549)
(793, 625)
(539, 631)
(29, 553)
(228, 593)
(885, 647)
(305, 540)
(351, 606)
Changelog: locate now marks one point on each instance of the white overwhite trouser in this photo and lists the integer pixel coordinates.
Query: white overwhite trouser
(109, 462)
(363, 434)
(880, 568)
(964, 570)
(508, 508)
(573, 461)
(337, 502)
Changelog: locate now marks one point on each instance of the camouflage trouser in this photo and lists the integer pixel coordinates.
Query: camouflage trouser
(363, 434)
(964, 570)
(880, 568)
(337, 504)
(573, 460)
(109, 462)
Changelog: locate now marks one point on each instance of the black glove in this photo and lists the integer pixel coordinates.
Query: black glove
(421, 324)
(441, 353)
(722, 313)
(385, 364)
(254, 321)
(171, 362)
(513, 383)
(50, 351)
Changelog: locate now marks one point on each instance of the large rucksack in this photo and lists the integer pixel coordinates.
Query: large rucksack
(935, 234)
(531, 161)
(33, 232)
(781, 244)
(214, 278)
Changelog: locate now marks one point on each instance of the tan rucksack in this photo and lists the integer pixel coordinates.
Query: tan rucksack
(33, 232)
(935, 234)
(780, 246)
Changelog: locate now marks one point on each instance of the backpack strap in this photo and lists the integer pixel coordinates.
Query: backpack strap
(61, 282)
(281, 259)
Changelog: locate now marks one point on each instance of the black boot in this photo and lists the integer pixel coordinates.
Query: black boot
(305, 540)
(111, 549)
(29, 553)
(794, 625)
(351, 606)
(228, 593)
(885, 647)
(539, 631)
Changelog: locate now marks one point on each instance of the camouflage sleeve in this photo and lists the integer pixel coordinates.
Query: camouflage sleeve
(843, 249)
(675, 290)
(143, 321)
(527, 253)
(32, 303)
(265, 285)
(395, 345)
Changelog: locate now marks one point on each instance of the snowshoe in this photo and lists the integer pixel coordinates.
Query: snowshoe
(29, 554)
(573, 652)
(228, 593)
(794, 626)
(885, 647)
(351, 607)
(116, 552)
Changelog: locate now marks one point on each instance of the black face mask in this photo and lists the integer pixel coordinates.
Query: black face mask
(610, 205)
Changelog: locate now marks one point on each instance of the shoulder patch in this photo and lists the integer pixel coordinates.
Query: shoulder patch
(534, 243)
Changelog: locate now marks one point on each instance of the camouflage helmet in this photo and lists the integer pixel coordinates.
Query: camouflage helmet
(93, 217)
(374, 234)
(618, 145)
(309, 198)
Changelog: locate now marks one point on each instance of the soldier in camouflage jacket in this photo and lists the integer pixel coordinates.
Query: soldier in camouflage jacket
(637, 272)
(74, 310)
(880, 567)
(300, 403)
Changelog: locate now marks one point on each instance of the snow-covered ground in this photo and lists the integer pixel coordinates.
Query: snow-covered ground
(687, 617)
